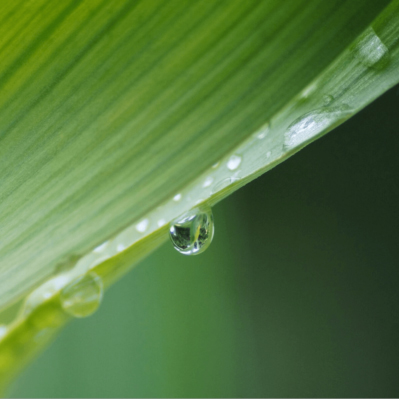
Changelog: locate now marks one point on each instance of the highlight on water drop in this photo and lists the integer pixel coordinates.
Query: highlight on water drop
(192, 233)
(82, 296)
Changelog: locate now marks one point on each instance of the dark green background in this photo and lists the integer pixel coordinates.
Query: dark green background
(297, 296)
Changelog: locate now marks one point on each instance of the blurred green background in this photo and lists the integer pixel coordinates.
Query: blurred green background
(297, 295)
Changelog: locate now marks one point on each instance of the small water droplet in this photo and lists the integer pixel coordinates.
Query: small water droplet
(120, 247)
(234, 162)
(224, 183)
(161, 222)
(264, 131)
(268, 154)
(215, 165)
(177, 197)
(192, 233)
(101, 247)
(82, 296)
(3, 330)
(370, 50)
(261, 135)
(313, 123)
(327, 99)
(142, 226)
(208, 181)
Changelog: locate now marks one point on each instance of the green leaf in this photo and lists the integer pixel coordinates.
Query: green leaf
(112, 114)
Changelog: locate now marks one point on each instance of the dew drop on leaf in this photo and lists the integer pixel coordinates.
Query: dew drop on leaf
(370, 50)
(234, 162)
(313, 123)
(141, 227)
(82, 297)
(192, 233)
(328, 99)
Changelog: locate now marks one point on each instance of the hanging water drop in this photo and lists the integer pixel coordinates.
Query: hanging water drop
(192, 233)
(313, 123)
(370, 50)
(82, 297)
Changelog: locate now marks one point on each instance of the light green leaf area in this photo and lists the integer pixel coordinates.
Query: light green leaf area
(117, 117)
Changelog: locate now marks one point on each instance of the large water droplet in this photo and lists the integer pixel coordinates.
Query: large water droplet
(312, 124)
(192, 233)
(371, 51)
(82, 296)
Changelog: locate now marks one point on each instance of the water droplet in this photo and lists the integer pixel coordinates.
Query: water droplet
(370, 50)
(3, 330)
(192, 233)
(208, 181)
(234, 162)
(215, 165)
(161, 222)
(141, 227)
(177, 197)
(328, 99)
(82, 296)
(268, 154)
(261, 135)
(224, 183)
(120, 247)
(100, 248)
(313, 123)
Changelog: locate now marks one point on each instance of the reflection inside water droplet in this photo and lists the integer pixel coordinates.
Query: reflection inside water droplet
(192, 233)
(371, 51)
(234, 162)
(82, 296)
(313, 123)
